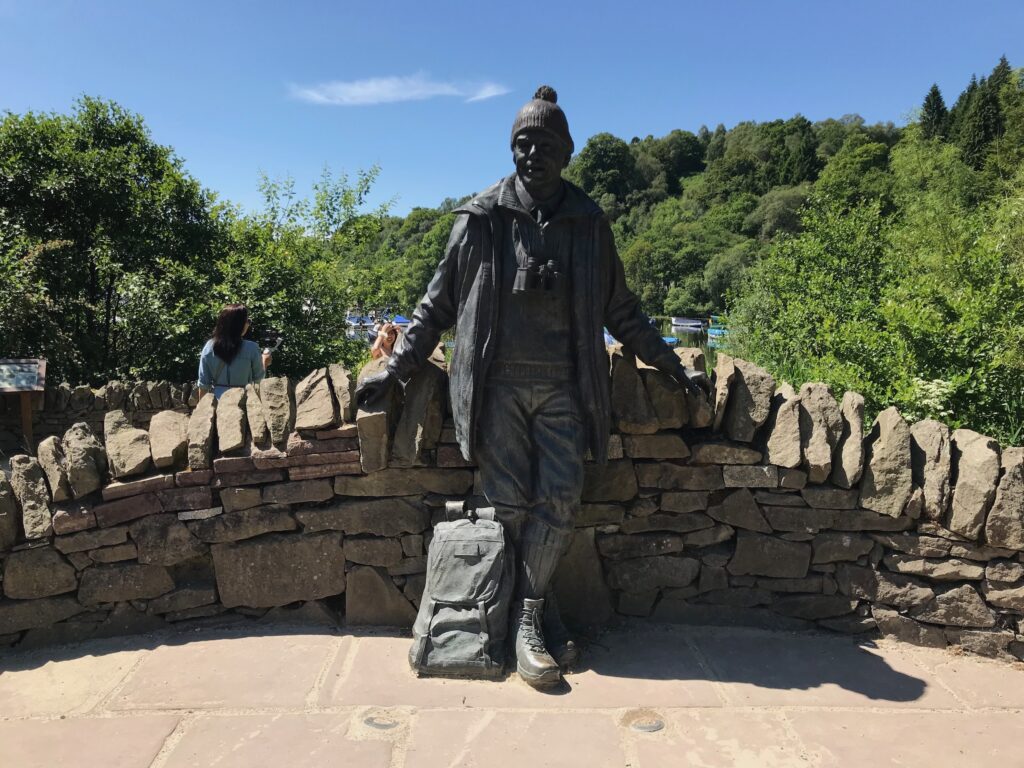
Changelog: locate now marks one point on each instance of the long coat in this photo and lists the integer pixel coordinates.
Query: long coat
(465, 292)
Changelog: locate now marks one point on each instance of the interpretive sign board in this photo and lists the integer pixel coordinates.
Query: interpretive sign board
(25, 377)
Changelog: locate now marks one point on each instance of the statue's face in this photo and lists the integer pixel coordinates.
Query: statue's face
(540, 157)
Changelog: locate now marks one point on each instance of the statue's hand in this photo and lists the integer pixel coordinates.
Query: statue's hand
(695, 382)
(374, 390)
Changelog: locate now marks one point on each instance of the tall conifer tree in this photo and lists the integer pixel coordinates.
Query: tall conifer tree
(934, 115)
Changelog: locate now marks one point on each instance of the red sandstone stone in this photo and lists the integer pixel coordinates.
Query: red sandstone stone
(123, 510)
(123, 490)
(181, 499)
(233, 479)
(300, 446)
(233, 464)
(325, 470)
(193, 477)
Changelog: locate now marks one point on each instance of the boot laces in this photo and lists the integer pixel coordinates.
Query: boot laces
(531, 629)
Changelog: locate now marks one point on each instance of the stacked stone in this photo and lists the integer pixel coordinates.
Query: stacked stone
(766, 505)
(64, 406)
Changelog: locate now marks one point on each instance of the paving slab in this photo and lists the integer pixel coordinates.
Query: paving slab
(717, 739)
(84, 742)
(904, 739)
(790, 669)
(980, 682)
(230, 672)
(274, 741)
(32, 685)
(659, 670)
(489, 739)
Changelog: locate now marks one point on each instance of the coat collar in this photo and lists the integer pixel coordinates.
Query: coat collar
(574, 201)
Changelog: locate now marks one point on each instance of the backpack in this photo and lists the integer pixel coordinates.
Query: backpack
(462, 623)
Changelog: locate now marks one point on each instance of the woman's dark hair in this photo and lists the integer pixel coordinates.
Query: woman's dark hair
(227, 334)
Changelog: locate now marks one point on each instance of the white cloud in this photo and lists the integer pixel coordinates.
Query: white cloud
(388, 90)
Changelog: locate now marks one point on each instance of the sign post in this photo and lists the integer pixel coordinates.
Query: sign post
(25, 377)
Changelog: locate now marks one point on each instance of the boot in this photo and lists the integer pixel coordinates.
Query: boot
(533, 662)
(557, 638)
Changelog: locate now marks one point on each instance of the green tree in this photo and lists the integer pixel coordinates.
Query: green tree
(934, 115)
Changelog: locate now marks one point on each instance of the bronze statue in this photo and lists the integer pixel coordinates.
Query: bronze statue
(530, 279)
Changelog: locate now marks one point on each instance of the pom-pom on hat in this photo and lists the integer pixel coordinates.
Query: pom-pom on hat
(543, 112)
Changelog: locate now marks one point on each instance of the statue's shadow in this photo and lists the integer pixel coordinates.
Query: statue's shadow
(796, 661)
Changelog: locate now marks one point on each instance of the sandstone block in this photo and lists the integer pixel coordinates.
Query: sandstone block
(709, 536)
(806, 519)
(659, 446)
(874, 586)
(231, 420)
(684, 501)
(724, 453)
(181, 499)
(827, 497)
(380, 517)
(632, 409)
(193, 477)
(679, 523)
(750, 476)
(324, 470)
(407, 482)
(164, 540)
(739, 509)
(115, 554)
(127, 447)
(749, 400)
(371, 598)
(10, 516)
(783, 444)
(243, 524)
(759, 555)
(255, 417)
(887, 484)
(29, 485)
(672, 477)
(1004, 526)
(951, 569)
(344, 387)
(839, 547)
(123, 581)
(891, 623)
(255, 477)
(122, 490)
(1010, 598)
(85, 460)
(620, 547)
(298, 491)
(278, 401)
(667, 398)
(71, 517)
(867, 520)
(977, 473)
(848, 458)
(821, 425)
(958, 607)
(80, 542)
(648, 573)
(1004, 571)
(373, 551)
(234, 499)
(168, 439)
(123, 510)
(19, 615)
(40, 572)
(374, 438)
(314, 402)
(200, 433)
(183, 598)
(930, 462)
(50, 454)
(721, 379)
(279, 569)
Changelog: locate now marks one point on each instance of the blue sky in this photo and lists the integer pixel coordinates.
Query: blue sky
(428, 90)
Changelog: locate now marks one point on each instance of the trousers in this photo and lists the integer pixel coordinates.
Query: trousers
(529, 448)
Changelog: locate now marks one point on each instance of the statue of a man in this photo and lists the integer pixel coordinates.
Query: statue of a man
(530, 279)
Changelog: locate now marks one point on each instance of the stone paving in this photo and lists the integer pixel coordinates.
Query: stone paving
(650, 697)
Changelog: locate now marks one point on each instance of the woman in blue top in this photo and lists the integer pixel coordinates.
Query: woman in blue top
(228, 360)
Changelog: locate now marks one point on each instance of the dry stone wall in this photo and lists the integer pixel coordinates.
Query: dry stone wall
(764, 505)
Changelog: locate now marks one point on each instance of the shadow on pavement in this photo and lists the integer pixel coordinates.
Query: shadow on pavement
(763, 658)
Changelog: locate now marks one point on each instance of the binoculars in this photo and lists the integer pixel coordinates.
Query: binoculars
(537, 276)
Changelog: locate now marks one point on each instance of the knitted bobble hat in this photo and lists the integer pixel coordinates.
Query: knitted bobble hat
(543, 112)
